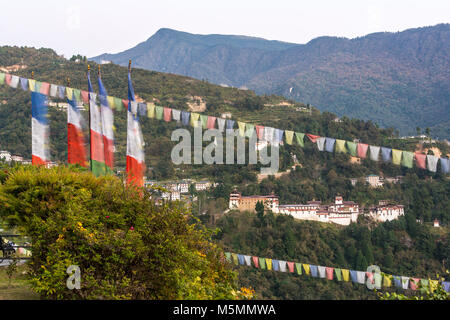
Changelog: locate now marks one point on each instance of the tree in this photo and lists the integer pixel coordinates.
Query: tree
(259, 208)
(125, 246)
(361, 262)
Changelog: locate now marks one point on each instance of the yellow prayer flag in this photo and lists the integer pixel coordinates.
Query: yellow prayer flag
(150, 110)
(346, 274)
(396, 156)
(306, 268)
(386, 280)
(269, 263)
(32, 84)
(194, 119)
(241, 128)
(289, 136)
(69, 93)
(340, 146)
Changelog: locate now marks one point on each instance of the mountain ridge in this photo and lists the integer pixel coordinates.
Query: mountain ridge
(395, 79)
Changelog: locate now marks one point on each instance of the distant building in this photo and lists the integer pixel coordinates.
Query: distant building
(202, 185)
(17, 158)
(340, 212)
(5, 155)
(171, 196)
(374, 181)
(248, 203)
(386, 212)
(436, 223)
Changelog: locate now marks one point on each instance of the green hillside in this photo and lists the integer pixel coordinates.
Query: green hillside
(415, 248)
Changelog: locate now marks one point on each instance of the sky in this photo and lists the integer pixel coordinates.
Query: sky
(93, 27)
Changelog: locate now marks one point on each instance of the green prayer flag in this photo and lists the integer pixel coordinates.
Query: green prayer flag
(77, 94)
(407, 159)
(118, 104)
(159, 112)
(338, 273)
(262, 263)
(340, 146)
(37, 87)
(204, 119)
(396, 156)
(424, 283)
(249, 129)
(351, 146)
(298, 268)
(299, 136)
(150, 110)
(2, 78)
(228, 256)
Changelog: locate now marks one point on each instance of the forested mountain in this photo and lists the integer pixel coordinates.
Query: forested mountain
(394, 79)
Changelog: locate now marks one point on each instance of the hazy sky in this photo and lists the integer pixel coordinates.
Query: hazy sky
(92, 27)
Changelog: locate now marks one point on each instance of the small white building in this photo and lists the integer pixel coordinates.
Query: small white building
(5, 155)
(386, 212)
(436, 223)
(374, 181)
(202, 185)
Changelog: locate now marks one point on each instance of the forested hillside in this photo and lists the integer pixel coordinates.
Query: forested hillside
(394, 79)
(404, 246)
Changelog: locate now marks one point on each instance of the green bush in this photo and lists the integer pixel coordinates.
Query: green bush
(125, 246)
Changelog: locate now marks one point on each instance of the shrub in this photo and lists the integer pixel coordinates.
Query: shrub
(125, 246)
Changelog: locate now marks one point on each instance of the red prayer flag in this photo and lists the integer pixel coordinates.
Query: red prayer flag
(260, 132)
(255, 262)
(312, 137)
(290, 266)
(45, 88)
(420, 160)
(167, 114)
(362, 150)
(8, 79)
(85, 96)
(414, 283)
(125, 103)
(211, 122)
(329, 272)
